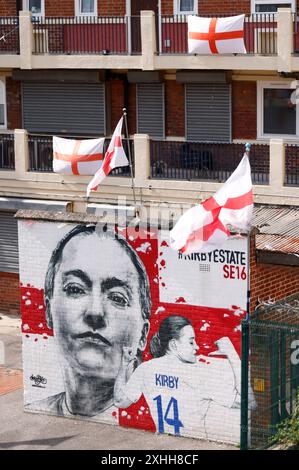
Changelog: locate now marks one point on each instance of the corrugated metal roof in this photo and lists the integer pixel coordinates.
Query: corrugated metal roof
(278, 229)
(277, 243)
(274, 220)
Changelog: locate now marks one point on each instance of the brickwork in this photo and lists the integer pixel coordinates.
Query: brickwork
(235, 7)
(8, 8)
(132, 107)
(117, 101)
(244, 110)
(10, 293)
(174, 108)
(13, 97)
(58, 8)
(271, 281)
(111, 7)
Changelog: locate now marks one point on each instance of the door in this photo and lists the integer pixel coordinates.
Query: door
(136, 7)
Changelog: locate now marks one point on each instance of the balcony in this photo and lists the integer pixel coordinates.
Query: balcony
(141, 43)
(168, 172)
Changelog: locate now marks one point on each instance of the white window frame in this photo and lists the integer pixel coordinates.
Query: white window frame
(290, 85)
(176, 8)
(77, 9)
(3, 86)
(26, 7)
(271, 2)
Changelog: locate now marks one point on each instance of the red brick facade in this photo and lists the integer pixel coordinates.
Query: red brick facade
(117, 101)
(8, 7)
(10, 293)
(206, 7)
(271, 281)
(174, 108)
(58, 8)
(244, 110)
(13, 96)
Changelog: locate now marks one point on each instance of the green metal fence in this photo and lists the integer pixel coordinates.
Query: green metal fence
(270, 371)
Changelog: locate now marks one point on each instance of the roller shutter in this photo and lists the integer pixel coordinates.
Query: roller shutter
(150, 109)
(73, 108)
(9, 253)
(208, 112)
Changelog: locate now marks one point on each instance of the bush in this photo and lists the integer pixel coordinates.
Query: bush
(288, 430)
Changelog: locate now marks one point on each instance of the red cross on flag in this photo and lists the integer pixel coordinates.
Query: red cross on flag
(114, 158)
(204, 227)
(77, 157)
(216, 35)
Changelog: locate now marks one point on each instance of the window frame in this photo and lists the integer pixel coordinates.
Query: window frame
(3, 85)
(176, 8)
(41, 14)
(271, 2)
(78, 12)
(260, 109)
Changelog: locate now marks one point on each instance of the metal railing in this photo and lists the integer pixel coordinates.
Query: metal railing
(9, 35)
(291, 165)
(41, 154)
(260, 34)
(206, 161)
(7, 152)
(87, 35)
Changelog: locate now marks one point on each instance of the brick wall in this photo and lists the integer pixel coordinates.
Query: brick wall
(271, 281)
(13, 97)
(174, 108)
(132, 108)
(244, 109)
(58, 8)
(111, 7)
(223, 6)
(10, 293)
(117, 101)
(8, 8)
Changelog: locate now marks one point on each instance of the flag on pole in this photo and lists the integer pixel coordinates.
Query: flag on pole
(114, 157)
(216, 35)
(77, 157)
(204, 228)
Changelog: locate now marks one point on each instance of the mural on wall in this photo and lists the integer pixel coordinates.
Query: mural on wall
(119, 328)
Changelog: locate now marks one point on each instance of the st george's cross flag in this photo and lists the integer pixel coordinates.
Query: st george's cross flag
(204, 227)
(77, 157)
(114, 158)
(216, 35)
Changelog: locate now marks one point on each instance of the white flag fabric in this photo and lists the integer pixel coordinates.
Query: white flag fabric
(114, 158)
(77, 157)
(204, 227)
(216, 35)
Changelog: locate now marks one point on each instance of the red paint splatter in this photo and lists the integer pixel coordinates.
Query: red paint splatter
(163, 284)
(163, 263)
(180, 300)
(164, 243)
(34, 313)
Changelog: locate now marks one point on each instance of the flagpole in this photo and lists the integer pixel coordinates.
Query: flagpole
(247, 152)
(129, 154)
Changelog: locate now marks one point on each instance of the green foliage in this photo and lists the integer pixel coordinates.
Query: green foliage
(288, 430)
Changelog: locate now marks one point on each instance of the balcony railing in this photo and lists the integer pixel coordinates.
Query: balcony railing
(9, 35)
(206, 161)
(7, 152)
(292, 165)
(87, 35)
(41, 154)
(260, 34)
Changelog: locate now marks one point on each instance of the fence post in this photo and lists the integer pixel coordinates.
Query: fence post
(26, 39)
(285, 39)
(277, 163)
(21, 152)
(148, 39)
(142, 158)
(244, 385)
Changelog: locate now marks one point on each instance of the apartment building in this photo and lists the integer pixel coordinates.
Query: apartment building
(69, 68)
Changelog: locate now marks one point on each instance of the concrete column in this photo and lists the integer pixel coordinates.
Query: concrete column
(26, 39)
(142, 158)
(277, 163)
(148, 39)
(21, 152)
(285, 39)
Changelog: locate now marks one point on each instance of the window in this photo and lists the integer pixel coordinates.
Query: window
(3, 121)
(268, 6)
(185, 7)
(86, 8)
(37, 7)
(277, 110)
